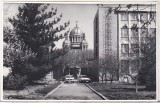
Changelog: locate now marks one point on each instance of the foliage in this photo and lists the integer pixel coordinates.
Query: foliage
(14, 49)
(14, 82)
(123, 91)
(108, 68)
(83, 59)
(147, 74)
(72, 58)
(34, 27)
(29, 50)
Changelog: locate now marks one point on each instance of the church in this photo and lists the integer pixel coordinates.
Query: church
(75, 40)
(74, 43)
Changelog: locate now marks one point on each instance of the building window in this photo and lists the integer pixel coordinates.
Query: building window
(134, 64)
(124, 40)
(124, 48)
(134, 40)
(134, 32)
(152, 32)
(124, 16)
(124, 32)
(134, 16)
(144, 47)
(143, 40)
(143, 17)
(153, 16)
(124, 66)
(134, 48)
(144, 32)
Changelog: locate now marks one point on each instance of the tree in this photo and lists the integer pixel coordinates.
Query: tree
(35, 26)
(147, 73)
(74, 59)
(14, 49)
(79, 58)
(35, 31)
(108, 68)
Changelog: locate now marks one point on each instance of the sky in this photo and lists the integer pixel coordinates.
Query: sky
(83, 13)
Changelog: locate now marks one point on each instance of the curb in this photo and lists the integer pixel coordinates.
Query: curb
(99, 94)
(52, 91)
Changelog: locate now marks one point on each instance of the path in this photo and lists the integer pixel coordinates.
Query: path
(74, 91)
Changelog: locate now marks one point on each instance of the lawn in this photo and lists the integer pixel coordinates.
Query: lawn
(34, 91)
(123, 91)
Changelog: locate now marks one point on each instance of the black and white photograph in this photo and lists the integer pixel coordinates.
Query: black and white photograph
(79, 51)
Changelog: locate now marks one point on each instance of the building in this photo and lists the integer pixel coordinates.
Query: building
(76, 40)
(123, 30)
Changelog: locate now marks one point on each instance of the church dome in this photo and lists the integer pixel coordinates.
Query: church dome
(76, 31)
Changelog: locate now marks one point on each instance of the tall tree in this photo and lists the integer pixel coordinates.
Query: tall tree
(36, 29)
(35, 25)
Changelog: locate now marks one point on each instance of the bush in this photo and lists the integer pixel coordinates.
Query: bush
(147, 77)
(151, 80)
(14, 82)
(30, 69)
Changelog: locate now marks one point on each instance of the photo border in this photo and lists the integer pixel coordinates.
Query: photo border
(87, 2)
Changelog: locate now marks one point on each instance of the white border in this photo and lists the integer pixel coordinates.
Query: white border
(85, 2)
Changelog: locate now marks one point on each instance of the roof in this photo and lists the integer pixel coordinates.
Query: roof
(76, 31)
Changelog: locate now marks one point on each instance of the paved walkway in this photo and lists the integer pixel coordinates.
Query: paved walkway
(74, 91)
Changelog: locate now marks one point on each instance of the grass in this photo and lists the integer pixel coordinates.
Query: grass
(47, 88)
(34, 91)
(123, 91)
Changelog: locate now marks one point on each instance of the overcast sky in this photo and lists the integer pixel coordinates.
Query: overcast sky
(83, 13)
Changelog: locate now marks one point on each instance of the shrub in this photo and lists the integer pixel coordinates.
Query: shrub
(151, 80)
(14, 82)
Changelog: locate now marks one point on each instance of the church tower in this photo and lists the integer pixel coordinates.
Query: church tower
(66, 43)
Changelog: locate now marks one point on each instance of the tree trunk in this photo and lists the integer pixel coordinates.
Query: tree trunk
(102, 79)
(111, 80)
(136, 86)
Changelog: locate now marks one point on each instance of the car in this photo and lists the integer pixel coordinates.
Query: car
(69, 78)
(84, 79)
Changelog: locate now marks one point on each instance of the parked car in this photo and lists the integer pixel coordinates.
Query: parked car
(69, 79)
(84, 79)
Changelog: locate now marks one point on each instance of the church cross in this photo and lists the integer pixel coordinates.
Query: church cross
(76, 23)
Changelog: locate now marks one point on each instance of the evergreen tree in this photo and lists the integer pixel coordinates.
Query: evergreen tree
(35, 27)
